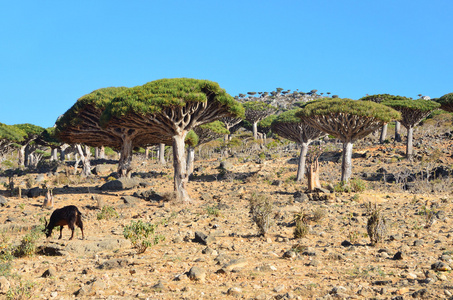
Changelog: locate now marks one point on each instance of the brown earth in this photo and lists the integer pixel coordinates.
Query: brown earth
(335, 260)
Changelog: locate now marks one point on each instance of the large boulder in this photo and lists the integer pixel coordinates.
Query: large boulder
(120, 184)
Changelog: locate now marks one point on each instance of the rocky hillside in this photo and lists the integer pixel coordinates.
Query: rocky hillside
(212, 249)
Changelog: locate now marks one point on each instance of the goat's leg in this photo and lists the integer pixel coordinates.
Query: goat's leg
(72, 230)
(61, 232)
(80, 225)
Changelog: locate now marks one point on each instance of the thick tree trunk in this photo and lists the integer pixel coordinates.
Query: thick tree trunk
(346, 167)
(255, 130)
(54, 154)
(125, 162)
(27, 154)
(302, 159)
(180, 169)
(162, 154)
(85, 155)
(21, 156)
(313, 175)
(397, 131)
(409, 146)
(190, 160)
(383, 134)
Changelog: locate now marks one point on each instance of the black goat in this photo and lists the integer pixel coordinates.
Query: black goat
(68, 215)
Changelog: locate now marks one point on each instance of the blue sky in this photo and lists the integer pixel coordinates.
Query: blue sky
(53, 52)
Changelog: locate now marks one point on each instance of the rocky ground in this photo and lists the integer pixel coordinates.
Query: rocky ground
(212, 249)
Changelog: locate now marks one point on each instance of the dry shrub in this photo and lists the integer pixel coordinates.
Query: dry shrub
(261, 208)
(302, 229)
(376, 227)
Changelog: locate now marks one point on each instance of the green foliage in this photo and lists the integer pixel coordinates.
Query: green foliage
(107, 213)
(216, 126)
(366, 109)
(27, 246)
(355, 185)
(191, 139)
(288, 116)
(258, 106)
(419, 104)
(11, 133)
(446, 102)
(30, 129)
(261, 208)
(379, 98)
(267, 122)
(155, 96)
(96, 100)
(23, 290)
(142, 235)
(213, 211)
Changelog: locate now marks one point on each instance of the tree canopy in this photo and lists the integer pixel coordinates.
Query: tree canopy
(289, 126)
(81, 123)
(446, 102)
(167, 109)
(347, 120)
(412, 111)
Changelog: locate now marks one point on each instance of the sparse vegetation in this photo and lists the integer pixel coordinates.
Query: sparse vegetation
(142, 235)
(261, 208)
(107, 213)
(376, 226)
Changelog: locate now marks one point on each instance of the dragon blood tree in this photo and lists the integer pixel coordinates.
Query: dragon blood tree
(379, 98)
(9, 137)
(201, 135)
(81, 124)
(446, 102)
(293, 128)
(256, 111)
(412, 112)
(347, 120)
(171, 108)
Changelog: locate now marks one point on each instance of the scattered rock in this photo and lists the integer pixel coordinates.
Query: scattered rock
(202, 238)
(197, 274)
(440, 266)
(120, 184)
(234, 291)
(3, 201)
(51, 272)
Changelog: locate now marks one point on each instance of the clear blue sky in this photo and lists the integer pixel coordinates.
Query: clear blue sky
(53, 52)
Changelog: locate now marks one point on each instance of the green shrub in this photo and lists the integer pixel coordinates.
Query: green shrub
(107, 213)
(142, 235)
(261, 208)
(27, 246)
(355, 185)
(22, 291)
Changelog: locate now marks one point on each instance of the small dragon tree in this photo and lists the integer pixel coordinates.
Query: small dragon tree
(290, 127)
(171, 108)
(256, 111)
(28, 145)
(81, 125)
(230, 122)
(9, 136)
(348, 120)
(446, 102)
(200, 135)
(379, 98)
(412, 112)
